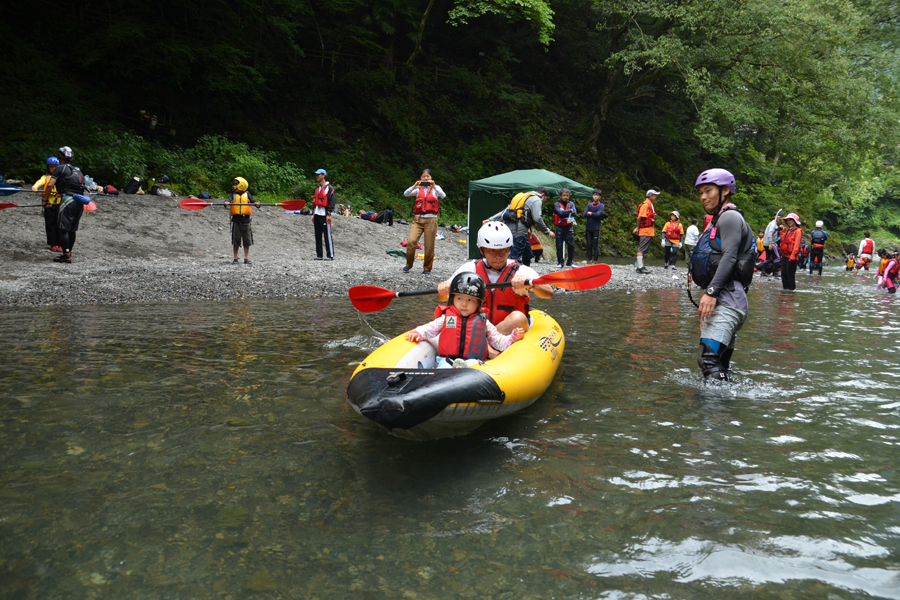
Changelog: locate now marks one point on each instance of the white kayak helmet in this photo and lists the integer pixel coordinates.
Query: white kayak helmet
(820, 224)
(495, 235)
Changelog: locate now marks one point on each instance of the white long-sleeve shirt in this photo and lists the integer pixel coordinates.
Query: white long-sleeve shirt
(414, 191)
(862, 246)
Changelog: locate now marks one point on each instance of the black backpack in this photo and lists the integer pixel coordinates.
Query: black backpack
(133, 186)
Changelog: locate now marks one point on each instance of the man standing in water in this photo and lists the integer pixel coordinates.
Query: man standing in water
(723, 262)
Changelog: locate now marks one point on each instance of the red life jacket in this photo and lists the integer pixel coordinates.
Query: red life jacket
(564, 221)
(672, 232)
(650, 219)
(789, 241)
(320, 196)
(463, 337)
(500, 302)
(868, 247)
(890, 269)
(804, 251)
(427, 202)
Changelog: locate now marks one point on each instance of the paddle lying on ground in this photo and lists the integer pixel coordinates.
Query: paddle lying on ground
(3, 205)
(195, 204)
(369, 298)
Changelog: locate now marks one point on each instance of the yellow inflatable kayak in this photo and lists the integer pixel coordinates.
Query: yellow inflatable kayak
(397, 387)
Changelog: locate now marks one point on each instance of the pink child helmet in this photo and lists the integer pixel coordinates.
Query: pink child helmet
(719, 177)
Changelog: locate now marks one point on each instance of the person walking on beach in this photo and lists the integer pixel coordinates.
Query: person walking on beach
(51, 206)
(523, 213)
(238, 205)
(865, 252)
(564, 219)
(672, 234)
(69, 183)
(425, 210)
(723, 262)
(323, 206)
(790, 251)
(593, 214)
(646, 217)
(690, 240)
(817, 238)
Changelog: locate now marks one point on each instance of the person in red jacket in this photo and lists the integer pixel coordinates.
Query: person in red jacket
(791, 240)
(465, 331)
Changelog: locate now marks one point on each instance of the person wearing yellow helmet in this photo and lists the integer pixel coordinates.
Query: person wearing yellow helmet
(238, 205)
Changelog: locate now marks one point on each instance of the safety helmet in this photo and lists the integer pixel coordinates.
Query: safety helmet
(468, 283)
(719, 177)
(820, 224)
(52, 161)
(65, 152)
(495, 235)
(794, 217)
(242, 184)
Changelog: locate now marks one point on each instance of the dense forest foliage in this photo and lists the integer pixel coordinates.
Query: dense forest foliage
(798, 97)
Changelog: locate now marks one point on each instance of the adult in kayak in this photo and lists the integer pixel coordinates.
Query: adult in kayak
(51, 206)
(69, 183)
(723, 263)
(506, 308)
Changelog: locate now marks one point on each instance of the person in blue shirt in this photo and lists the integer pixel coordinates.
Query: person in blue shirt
(564, 218)
(593, 213)
(817, 241)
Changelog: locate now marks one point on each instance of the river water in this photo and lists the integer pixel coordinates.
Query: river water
(207, 450)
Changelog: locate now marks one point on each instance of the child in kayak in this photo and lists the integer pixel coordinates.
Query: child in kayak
(465, 331)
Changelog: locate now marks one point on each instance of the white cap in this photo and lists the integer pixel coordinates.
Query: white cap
(651, 193)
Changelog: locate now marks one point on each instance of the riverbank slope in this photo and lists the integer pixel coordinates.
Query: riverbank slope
(147, 249)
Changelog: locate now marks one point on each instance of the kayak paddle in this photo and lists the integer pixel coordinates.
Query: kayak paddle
(196, 204)
(369, 298)
(3, 205)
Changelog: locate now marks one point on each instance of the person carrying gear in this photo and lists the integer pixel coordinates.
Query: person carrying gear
(239, 205)
(466, 334)
(646, 217)
(818, 237)
(723, 263)
(865, 252)
(51, 207)
(507, 308)
(69, 183)
(323, 206)
(564, 212)
(523, 213)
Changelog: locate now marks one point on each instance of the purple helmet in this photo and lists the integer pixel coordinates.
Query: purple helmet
(718, 177)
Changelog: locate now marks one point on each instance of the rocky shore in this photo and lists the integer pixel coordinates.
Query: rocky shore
(147, 249)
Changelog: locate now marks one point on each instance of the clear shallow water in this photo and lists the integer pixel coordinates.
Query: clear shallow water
(183, 451)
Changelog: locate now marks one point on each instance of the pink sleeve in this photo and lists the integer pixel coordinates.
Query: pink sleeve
(497, 340)
(430, 330)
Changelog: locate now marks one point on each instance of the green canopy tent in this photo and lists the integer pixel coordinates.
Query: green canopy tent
(489, 196)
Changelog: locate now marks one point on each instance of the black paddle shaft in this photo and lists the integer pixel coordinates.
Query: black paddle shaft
(430, 292)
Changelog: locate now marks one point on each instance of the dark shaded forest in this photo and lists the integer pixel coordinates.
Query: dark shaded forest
(798, 98)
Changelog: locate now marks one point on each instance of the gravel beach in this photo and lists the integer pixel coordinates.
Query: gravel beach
(147, 249)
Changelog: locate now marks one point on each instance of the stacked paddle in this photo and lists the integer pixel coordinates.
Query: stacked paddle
(369, 298)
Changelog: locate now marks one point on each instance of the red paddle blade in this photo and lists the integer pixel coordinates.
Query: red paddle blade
(292, 204)
(582, 278)
(7, 205)
(193, 204)
(368, 298)
(90, 206)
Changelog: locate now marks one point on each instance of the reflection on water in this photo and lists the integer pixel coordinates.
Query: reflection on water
(181, 451)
